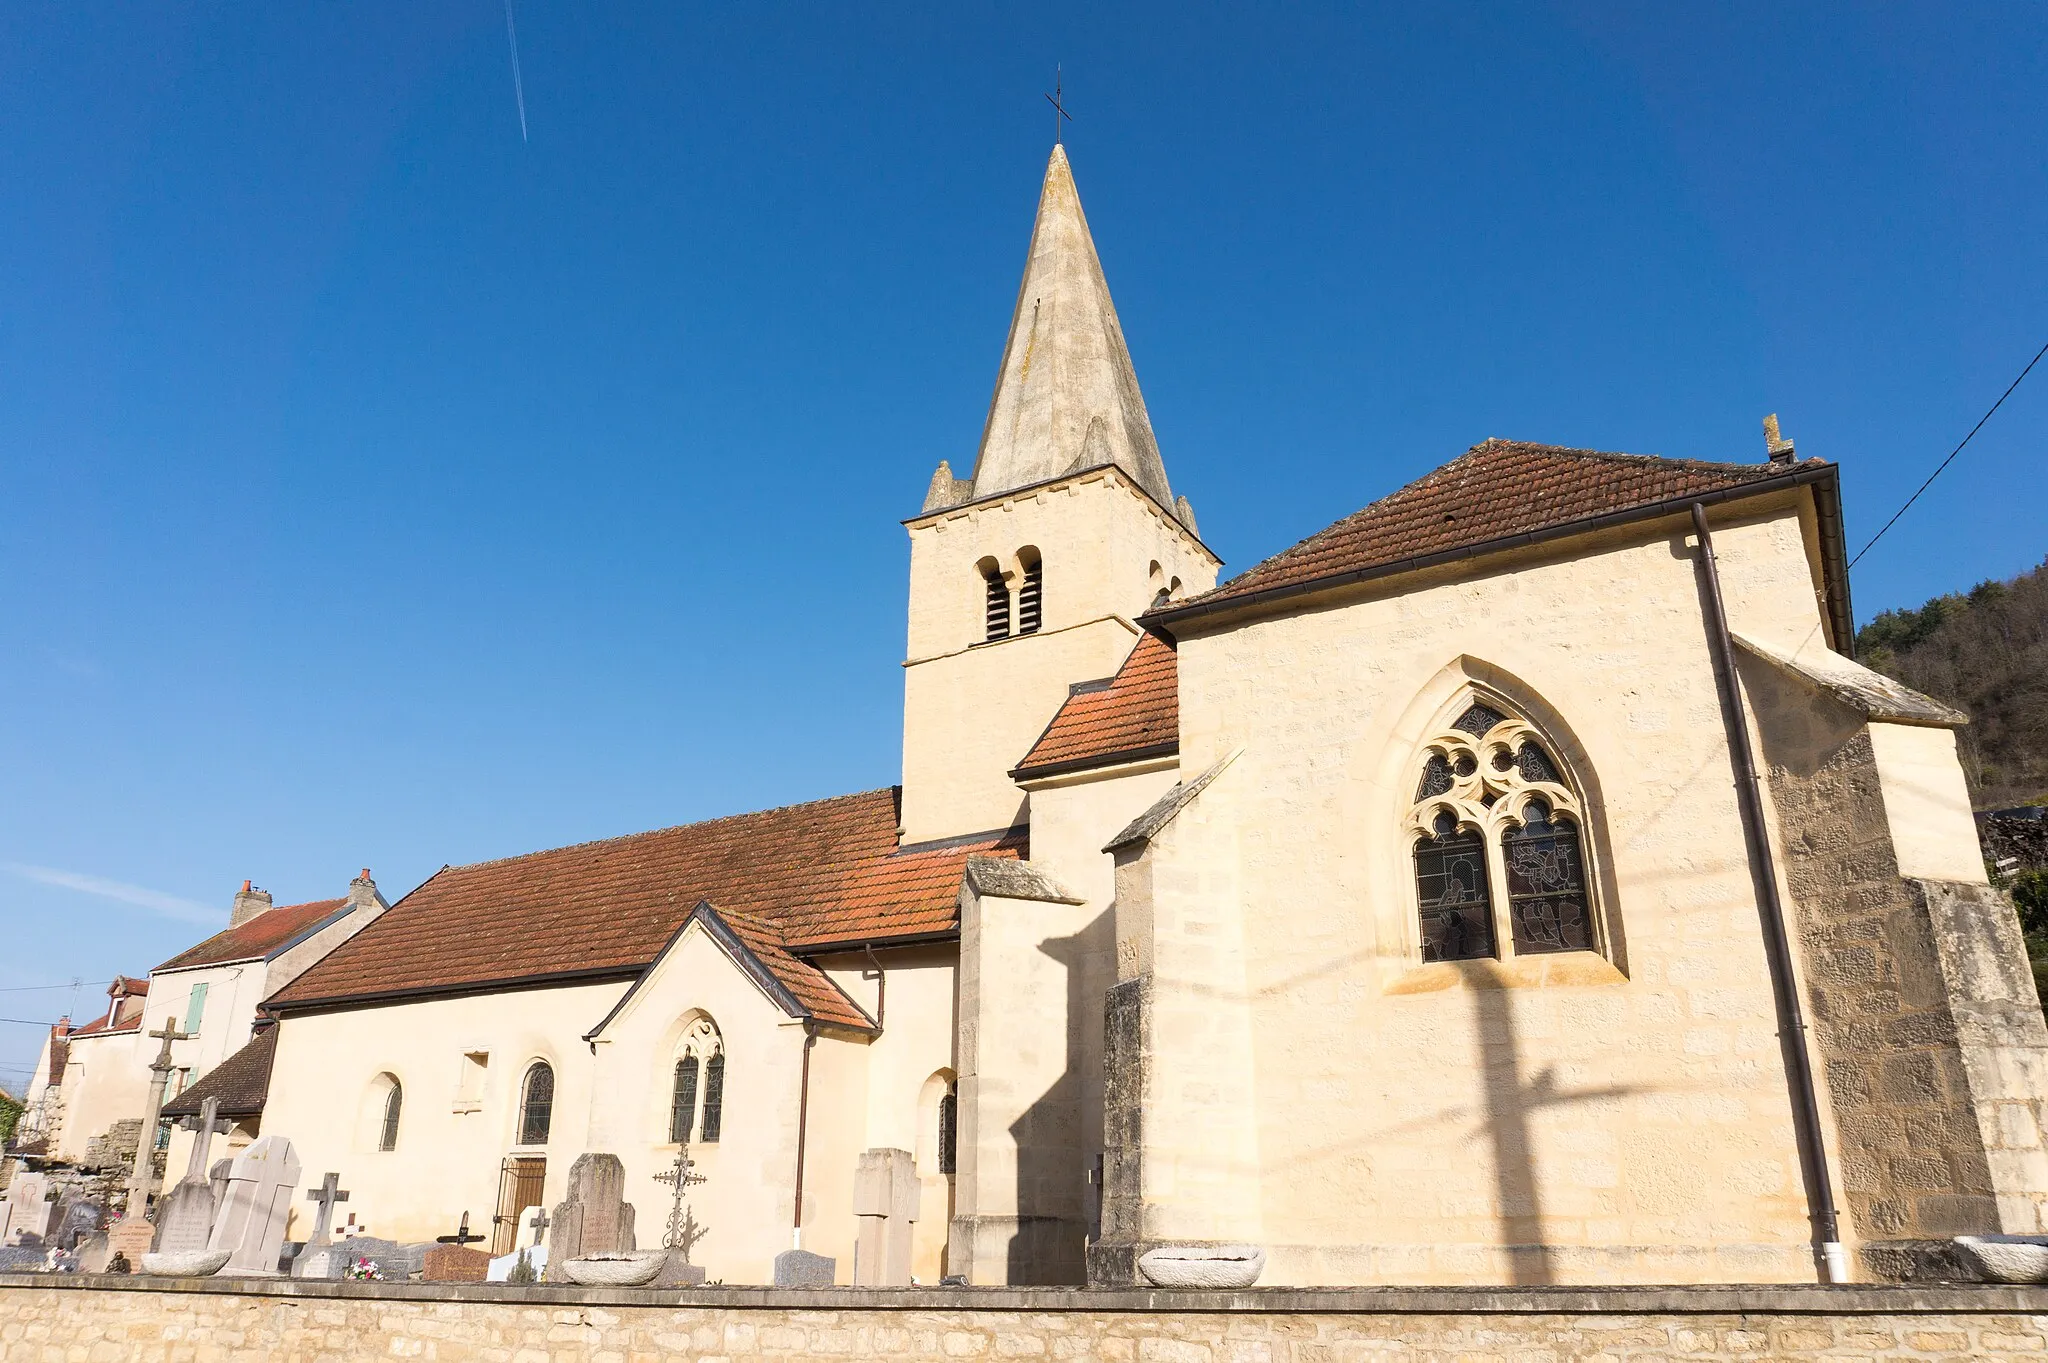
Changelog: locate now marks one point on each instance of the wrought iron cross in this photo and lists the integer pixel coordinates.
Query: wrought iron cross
(684, 1230)
(1060, 110)
(461, 1236)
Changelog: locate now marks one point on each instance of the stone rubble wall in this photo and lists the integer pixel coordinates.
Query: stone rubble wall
(219, 1322)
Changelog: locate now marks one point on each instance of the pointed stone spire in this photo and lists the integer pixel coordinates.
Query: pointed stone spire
(1066, 397)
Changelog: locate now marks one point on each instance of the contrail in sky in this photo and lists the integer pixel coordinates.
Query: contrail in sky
(169, 905)
(518, 86)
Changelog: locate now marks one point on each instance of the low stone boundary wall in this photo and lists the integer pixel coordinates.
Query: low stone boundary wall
(113, 1320)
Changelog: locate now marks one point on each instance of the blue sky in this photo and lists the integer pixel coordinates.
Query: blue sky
(382, 489)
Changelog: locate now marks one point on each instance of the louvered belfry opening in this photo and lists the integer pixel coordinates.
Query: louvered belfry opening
(998, 604)
(1031, 596)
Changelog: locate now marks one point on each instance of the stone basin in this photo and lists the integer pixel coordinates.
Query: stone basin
(2006, 1258)
(1214, 1267)
(615, 1270)
(200, 1263)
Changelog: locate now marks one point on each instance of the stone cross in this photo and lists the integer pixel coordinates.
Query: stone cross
(184, 1219)
(256, 1205)
(140, 1175)
(461, 1236)
(539, 1225)
(326, 1195)
(202, 1140)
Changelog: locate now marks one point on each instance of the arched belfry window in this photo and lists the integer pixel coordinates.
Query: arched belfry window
(996, 594)
(394, 1102)
(537, 1104)
(1500, 860)
(697, 1101)
(1031, 594)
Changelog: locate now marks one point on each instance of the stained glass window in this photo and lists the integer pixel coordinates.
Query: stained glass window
(1457, 906)
(683, 1100)
(1536, 764)
(394, 1101)
(1478, 719)
(1436, 777)
(536, 1114)
(1546, 882)
(714, 1095)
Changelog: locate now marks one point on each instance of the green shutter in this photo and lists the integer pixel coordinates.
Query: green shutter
(196, 1009)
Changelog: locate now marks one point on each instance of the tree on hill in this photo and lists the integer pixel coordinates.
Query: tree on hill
(1985, 652)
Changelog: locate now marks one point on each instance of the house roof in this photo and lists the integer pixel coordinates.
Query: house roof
(1135, 715)
(258, 938)
(241, 1082)
(118, 1018)
(825, 873)
(1496, 495)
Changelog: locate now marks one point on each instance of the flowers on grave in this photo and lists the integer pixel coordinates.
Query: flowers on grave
(363, 1271)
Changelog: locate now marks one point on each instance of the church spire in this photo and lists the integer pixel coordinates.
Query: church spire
(1066, 396)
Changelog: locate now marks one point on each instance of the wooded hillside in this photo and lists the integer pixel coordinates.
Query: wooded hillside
(1984, 652)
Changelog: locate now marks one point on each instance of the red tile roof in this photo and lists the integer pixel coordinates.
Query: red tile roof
(825, 872)
(1138, 713)
(1494, 491)
(259, 937)
(813, 988)
(241, 1082)
(119, 1017)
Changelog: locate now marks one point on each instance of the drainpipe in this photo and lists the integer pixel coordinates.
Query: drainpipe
(803, 1112)
(1813, 1155)
(881, 978)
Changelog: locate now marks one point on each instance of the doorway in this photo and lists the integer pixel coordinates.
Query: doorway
(520, 1185)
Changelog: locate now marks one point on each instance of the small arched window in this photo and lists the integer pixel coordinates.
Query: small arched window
(1497, 828)
(1031, 594)
(949, 1132)
(699, 1075)
(387, 1136)
(537, 1105)
(996, 595)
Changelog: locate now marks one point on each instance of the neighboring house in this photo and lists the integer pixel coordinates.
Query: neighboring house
(94, 1076)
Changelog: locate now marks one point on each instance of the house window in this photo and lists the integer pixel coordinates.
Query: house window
(195, 1009)
(537, 1107)
(1031, 594)
(1500, 856)
(683, 1103)
(387, 1137)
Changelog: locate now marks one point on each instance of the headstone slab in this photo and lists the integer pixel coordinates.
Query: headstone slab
(76, 1217)
(594, 1217)
(676, 1271)
(23, 1259)
(392, 1259)
(455, 1264)
(130, 1237)
(184, 1221)
(260, 1187)
(93, 1252)
(30, 1212)
(801, 1268)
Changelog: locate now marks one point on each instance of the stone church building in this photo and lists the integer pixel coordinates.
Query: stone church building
(1403, 905)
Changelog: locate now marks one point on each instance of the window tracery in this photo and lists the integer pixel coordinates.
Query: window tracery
(697, 1112)
(537, 1104)
(1500, 865)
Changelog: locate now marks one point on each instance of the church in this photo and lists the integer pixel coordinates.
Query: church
(1516, 881)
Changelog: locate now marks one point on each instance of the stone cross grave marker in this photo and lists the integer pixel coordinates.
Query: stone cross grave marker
(184, 1222)
(311, 1261)
(885, 1198)
(538, 1224)
(252, 1217)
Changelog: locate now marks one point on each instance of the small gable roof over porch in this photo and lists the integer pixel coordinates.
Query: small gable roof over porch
(811, 875)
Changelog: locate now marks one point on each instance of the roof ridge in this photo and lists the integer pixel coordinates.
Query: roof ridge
(669, 828)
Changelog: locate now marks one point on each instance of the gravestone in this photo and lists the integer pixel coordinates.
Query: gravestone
(130, 1237)
(29, 1212)
(23, 1259)
(325, 1197)
(94, 1252)
(184, 1220)
(885, 1198)
(75, 1216)
(594, 1218)
(801, 1268)
(6, 1218)
(392, 1259)
(455, 1264)
(252, 1216)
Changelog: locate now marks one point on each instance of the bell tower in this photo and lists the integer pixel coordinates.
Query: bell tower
(1027, 576)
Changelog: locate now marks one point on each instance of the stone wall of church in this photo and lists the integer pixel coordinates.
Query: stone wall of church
(1923, 1009)
(1611, 1117)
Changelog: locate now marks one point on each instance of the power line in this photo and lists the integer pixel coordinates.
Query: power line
(1951, 455)
(28, 1022)
(35, 988)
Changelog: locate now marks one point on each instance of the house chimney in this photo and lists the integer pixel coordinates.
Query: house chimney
(248, 903)
(1775, 445)
(363, 896)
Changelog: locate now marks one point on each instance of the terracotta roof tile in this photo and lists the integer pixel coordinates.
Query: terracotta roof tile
(258, 937)
(241, 1082)
(827, 871)
(813, 988)
(119, 1017)
(1493, 491)
(1138, 711)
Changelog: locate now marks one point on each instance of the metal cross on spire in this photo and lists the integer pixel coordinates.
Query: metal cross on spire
(1060, 109)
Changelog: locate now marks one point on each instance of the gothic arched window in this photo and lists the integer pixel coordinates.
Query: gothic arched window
(1500, 860)
(700, 1074)
(537, 1104)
